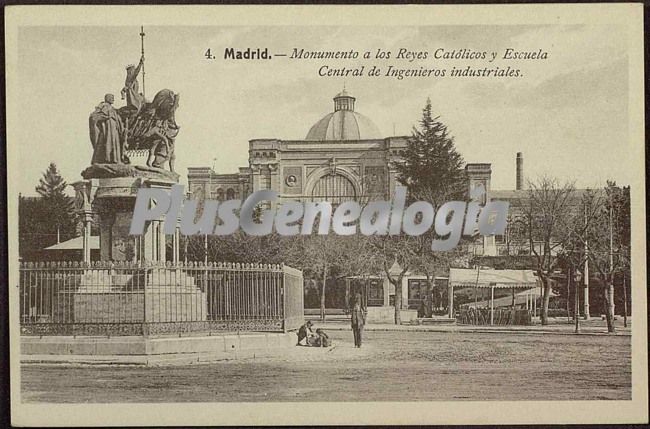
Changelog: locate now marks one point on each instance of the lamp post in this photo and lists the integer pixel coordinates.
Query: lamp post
(586, 276)
(577, 298)
(185, 239)
(209, 193)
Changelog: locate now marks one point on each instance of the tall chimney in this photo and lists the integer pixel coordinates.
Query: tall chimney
(520, 171)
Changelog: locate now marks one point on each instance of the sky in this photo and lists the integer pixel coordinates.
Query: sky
(568, 114)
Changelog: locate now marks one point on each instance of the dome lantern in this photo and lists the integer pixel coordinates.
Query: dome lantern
(344, 101)
(343, 123)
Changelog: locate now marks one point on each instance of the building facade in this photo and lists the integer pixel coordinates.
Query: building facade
(343, 157)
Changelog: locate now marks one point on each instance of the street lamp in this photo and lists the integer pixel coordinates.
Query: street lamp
(205, 241)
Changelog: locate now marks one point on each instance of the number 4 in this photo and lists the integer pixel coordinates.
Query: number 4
(208, 55)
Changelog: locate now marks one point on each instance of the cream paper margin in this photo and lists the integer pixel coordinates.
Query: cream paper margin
(335, 413)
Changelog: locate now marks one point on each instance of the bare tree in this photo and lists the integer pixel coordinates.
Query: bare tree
(391, 250)
(574, 253)
(545, 218)
(608, 238)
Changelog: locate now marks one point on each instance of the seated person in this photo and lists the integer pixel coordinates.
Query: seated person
(323, 339)
(305, 334)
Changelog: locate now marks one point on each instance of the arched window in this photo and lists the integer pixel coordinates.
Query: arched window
(230, 194)
(333, 188)
(220, 194)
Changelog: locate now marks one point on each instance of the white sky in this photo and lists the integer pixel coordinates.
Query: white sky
(568, 114)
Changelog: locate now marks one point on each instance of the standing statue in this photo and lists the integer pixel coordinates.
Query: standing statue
(162, 136)
(134, 100)
(107, 134)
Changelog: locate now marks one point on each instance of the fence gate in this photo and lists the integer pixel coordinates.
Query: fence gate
(293, 298)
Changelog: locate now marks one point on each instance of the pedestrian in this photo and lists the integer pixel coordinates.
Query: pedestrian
(422, 310)
(358, 320)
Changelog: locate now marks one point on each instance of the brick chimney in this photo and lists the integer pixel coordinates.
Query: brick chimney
(520, 171)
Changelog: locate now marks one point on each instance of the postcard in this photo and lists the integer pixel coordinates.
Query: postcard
(301, 215)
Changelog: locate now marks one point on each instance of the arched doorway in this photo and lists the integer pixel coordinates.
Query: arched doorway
(334, 188)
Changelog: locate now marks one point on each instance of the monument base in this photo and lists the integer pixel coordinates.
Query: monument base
(162, 350)
(107, 199)
(108, 171)
(163, 295)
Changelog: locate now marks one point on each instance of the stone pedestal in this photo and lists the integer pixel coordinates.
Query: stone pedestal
(172, 296)
(130, 293)
(108, 195)
(147, 295)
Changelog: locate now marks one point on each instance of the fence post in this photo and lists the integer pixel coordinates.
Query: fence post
(145, 327)
(284, 298)
(492, 307)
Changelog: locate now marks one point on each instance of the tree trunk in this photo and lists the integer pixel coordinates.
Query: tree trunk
(612, 295)
(608, 292)
(398, 300)
(429, 299)
(568, 298)
(624, 302)
(576, 304)
(322, 294)
(547, 297)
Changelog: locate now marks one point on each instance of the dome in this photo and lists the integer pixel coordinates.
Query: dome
(344, 123)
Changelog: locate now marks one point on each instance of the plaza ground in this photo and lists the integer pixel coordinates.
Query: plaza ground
(391, 366)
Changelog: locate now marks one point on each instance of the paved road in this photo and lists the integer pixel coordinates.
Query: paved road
(396, 366)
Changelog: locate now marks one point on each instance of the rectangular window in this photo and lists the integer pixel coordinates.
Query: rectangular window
(417, 292)
(375, 293)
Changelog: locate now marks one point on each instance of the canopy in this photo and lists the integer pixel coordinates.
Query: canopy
(461, 277)
(521, 298)
(76, 244)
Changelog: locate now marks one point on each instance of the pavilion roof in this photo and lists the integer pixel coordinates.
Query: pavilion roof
(462, 277)
(75, 244)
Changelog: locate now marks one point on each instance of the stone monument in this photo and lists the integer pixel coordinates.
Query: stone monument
(107, 196)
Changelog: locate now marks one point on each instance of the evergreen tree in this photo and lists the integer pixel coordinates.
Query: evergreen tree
(60, 221)
(432, 169)
(31, 229)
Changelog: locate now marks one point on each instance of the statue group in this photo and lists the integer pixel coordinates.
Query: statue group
(138, 125)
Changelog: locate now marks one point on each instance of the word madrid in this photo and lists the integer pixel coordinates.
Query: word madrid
(292, 218)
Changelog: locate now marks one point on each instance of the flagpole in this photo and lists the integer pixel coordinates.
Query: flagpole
(142, 51)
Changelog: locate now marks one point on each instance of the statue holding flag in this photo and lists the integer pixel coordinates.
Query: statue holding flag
(134, 99)
(139, 125)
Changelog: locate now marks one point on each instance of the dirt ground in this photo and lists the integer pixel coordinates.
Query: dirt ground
(391, 366)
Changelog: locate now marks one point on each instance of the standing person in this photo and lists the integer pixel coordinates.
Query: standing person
(358, 320)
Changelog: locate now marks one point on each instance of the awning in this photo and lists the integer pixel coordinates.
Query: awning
(76, 244)
(521, 298)
(461, 277)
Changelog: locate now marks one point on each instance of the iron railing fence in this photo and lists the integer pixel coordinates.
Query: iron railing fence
(485, 316)
(123, 298)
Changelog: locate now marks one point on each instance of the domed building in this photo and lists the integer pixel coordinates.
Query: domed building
(343, 157)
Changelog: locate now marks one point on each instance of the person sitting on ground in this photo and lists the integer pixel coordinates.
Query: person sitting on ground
(305, 333)
(324, 339)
